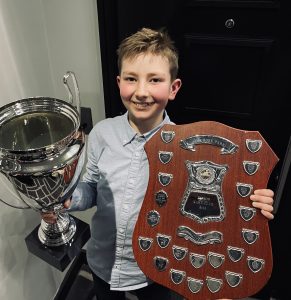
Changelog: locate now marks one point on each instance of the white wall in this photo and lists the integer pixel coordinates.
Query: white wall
(40, 40)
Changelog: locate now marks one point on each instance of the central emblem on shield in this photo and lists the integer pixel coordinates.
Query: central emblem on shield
(202, 200)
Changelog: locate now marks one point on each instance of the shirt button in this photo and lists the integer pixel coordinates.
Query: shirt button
(137, 154)
(121, 230)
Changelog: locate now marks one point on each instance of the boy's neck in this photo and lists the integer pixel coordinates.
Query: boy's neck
(142, 126)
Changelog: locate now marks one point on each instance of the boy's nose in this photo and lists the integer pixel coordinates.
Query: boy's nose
(141, 90)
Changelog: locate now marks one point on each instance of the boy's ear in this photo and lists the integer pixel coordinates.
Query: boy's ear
(175, 86)
(118, 80)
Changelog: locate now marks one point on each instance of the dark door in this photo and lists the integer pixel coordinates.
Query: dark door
(235, 59)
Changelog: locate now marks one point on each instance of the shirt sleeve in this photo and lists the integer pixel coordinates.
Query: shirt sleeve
(84, 197)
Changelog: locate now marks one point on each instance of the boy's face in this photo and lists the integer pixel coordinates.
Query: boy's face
(145, 87)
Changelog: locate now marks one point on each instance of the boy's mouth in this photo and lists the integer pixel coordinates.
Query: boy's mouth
(142, 104)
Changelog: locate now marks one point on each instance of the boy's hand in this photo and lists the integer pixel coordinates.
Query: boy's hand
(263, 200)
(51, 217)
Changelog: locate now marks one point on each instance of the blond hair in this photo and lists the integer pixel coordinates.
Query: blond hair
(149, 41)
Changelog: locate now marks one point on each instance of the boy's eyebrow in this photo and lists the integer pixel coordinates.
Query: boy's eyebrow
(128, 73)
(156, 74)
(148, 75)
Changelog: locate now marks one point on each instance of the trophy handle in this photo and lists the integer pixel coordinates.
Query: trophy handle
(14, 206)
(77, 93)
(16, 191)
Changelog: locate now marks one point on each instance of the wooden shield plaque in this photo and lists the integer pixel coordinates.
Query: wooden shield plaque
(197, 232)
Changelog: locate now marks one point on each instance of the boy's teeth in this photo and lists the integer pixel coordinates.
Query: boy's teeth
(142, 104)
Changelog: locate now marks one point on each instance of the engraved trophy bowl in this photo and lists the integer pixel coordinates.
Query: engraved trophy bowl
(41, 154)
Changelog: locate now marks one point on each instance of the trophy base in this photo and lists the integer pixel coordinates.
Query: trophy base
(60, 256)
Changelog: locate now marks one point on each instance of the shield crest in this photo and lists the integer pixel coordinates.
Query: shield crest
(197, 224)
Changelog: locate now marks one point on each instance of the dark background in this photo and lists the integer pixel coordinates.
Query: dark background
(238, 75)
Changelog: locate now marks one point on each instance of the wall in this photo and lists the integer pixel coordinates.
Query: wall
(40, 40)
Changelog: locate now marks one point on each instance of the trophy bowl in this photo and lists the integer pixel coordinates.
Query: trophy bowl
(41, 154)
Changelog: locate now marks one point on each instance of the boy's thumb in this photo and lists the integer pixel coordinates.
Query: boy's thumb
(67, 203)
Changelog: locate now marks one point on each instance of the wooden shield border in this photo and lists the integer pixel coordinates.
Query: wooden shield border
(225, 252)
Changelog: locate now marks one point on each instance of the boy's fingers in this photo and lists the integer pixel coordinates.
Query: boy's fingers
(49, 217)
(262, 199)
(267, 214)
(264, 192)
(50, 220)
(263, 206)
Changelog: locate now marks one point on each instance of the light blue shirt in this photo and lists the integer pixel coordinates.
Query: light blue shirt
(115, 181)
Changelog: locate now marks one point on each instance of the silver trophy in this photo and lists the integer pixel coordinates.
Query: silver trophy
(41, 154)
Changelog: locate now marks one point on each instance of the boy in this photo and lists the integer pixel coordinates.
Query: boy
(117, 170)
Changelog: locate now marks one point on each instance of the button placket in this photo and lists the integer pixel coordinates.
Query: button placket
(133, 172)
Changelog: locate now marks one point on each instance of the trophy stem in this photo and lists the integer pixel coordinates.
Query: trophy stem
(59, 233)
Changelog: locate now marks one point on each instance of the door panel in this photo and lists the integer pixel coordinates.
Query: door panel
(223, 84)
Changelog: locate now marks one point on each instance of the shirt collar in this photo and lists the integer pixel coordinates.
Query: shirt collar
(130, 134)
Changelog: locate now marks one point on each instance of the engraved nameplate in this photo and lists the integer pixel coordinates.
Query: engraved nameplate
(167, 136)
(253, 145)
(153, 218)
(161, 263)
(247, 213)
(165, 178)
(213, 284)
(161, 198)
(244, 189)
(202, 199)
(227, 146)
(177, 276)
(250, 236)
(251, 167)
(163, 240)
(165, 156)
(145, 243)
(197, 260)
(198, 238)
(215, 259)
(179, 252)
(194, 285)
(255, 264)
(235, 254)
(233, 279)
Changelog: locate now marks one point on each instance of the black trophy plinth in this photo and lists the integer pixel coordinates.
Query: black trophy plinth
(59, 257)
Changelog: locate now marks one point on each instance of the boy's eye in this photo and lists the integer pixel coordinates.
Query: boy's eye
(129, 78)
(155, 80)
